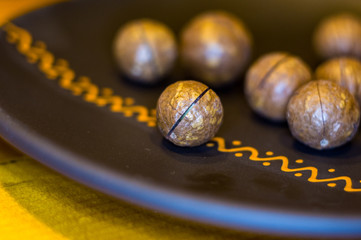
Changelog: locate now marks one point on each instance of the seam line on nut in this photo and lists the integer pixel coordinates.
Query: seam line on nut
(323, 120)
(188, 109)
(271, 70)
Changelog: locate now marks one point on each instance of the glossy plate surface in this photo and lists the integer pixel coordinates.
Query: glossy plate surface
(63, 102)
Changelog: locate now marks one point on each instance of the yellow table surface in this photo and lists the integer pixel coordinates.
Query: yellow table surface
(38, 203)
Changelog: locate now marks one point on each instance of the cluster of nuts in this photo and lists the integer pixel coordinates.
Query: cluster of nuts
(325, 113)
(215, 48)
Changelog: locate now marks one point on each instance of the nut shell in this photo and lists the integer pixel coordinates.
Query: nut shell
(323, 115)
(271, 81)
(345, 71)
(145, 50)
(215, 47)
(338, 35)
(196, 126)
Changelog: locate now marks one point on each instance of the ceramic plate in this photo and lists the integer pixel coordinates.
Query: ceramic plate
(63, 102)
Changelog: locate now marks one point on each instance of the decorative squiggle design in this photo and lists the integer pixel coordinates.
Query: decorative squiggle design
(36, 52)
(255, 157)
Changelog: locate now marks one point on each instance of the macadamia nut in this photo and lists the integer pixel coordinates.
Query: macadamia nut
(271, 81)
(145, 50)
(338, 35)
(215, 47)
(189, 113)
(323, 115)
(345, 71)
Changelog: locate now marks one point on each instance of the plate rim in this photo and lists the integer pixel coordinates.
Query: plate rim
(186, 206)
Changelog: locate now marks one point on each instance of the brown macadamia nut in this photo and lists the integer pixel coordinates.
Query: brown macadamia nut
(338, 35)
(145, 50)
(271, 81)
(189, 113)
(323, 115)
(215, 47)
(345, 71)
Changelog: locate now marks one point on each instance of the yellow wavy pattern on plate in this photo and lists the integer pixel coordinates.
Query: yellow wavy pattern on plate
(36, 52)
(255, 157)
